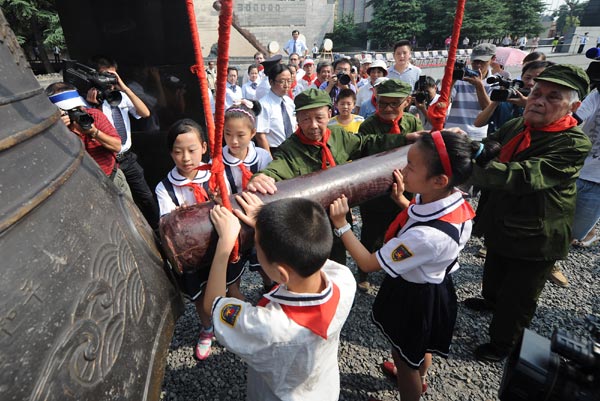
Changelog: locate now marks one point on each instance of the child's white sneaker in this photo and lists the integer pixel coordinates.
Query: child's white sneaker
(204, 344)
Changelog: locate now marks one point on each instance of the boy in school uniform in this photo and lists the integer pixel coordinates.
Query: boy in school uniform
(290, 339)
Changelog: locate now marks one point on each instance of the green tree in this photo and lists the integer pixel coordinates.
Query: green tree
(394, 20)
(35, 23)
(485, 19)
(569, 15)
(347, 35)
(525, 17)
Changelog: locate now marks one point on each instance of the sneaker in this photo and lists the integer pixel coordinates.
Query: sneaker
(557, 277)
(204, 344)
(364, 286)
(478, 304)
(586, 242)
(482, 252)
(389, 370)
(488, 352)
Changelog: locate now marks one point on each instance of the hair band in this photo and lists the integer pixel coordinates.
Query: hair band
(479, 151)
(440, 146)
(232, 109)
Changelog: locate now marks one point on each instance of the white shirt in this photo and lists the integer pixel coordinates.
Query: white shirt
(421, 254)
(298, 47)
(410, 75)
(230, 96)
(184, 195)
(287, 361)
(256, 156)
(365, 93)
(248, 92)
(126, 107)
(589, 112)
(263, 89)
(270, 119)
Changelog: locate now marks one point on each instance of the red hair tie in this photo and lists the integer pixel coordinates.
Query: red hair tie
(440, 146)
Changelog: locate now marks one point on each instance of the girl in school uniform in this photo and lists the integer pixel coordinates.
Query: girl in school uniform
(186, 185)
(416, 304)
(242, 158)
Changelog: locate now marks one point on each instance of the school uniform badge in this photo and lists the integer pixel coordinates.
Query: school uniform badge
(400, 253)
(229, 313)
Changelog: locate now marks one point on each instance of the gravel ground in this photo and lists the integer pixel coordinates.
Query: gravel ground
(362, 348)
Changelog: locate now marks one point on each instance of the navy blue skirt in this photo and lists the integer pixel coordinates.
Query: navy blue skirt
(192, 282)
(416, 318)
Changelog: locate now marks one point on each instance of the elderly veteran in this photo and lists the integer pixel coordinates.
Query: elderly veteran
(315, 146)
(527, 205)
(393, 96)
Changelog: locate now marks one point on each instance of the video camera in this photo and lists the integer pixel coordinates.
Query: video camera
(561, 369)
(343, 79)
(461, 71)
(82, 118)
(421, 94)
(84, 78)
(509, 88)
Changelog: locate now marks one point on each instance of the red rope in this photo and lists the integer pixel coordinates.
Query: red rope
(215, 127)
(437, 113)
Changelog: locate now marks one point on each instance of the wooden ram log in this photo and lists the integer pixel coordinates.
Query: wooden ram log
(188, 236)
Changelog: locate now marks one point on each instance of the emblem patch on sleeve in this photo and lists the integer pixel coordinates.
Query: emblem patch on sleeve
(229, 313)
(400, 253)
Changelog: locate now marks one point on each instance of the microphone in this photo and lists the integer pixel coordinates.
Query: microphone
(593, 53)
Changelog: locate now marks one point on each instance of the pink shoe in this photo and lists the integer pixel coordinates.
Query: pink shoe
(203, 345)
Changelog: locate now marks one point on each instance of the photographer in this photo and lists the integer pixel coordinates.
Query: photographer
(99, 137)
(118, 115)
(425, 95)
(470, 92)
(340, 79)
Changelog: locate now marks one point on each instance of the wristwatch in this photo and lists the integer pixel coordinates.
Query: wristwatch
(342, 230)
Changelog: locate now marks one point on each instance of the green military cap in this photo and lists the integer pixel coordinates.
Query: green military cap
(311, 99)
(394, 88)
(568, 75)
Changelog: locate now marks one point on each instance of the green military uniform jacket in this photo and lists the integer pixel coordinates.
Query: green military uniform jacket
(293, 158)
(527, 206)
(373, 125)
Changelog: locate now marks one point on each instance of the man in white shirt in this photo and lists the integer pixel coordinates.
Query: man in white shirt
(295, 45)
(402, 68)
(233, 93)
(118, 115)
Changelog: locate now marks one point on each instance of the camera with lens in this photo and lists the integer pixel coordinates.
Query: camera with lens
(563, 368)
(509, 88)
(421, 94)
(82, 118)
(461, 71)
(84, 78)
(343, 79)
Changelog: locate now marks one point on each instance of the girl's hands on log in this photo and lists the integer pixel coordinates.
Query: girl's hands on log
(251, 205)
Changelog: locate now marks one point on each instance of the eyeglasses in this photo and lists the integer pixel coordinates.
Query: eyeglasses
(283, 81)
(393, 105)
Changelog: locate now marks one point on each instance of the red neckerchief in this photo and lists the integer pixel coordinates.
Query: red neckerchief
(326, 156)
(310, 78)
(373, 98)
(199, 193)
(395, 128)
(290, 91)
(523, 139)
(459, 215)
(316, 318)
(246, 175)
(318, 83)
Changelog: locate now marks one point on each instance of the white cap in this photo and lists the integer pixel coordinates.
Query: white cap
(378, 64)
(67, 100)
